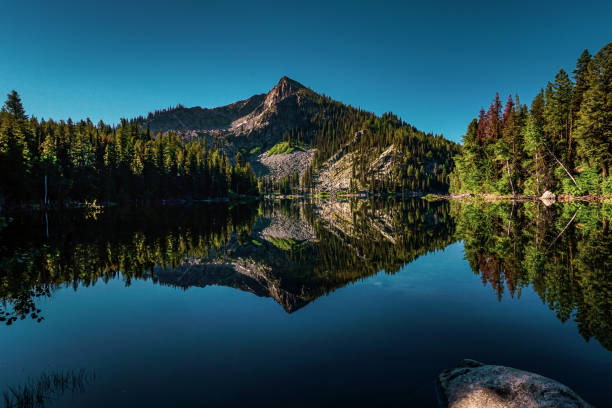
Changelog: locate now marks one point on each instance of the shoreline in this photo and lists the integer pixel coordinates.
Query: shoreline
(323, 196)
(561, 198)
(71, 205)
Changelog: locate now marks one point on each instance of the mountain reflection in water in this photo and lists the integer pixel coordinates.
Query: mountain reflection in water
(297, 251)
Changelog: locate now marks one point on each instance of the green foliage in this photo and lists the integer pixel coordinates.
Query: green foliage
(286, 244)
(281, 148)
(288, 184)
(569, 125)
(255, 150)
(594, 120)
(420, 161)
(589, 181)
(62, 162)
(606, 186)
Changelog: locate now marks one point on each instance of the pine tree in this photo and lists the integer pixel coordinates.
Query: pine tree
(557, 113)
(14, 106)
(581, 83)
(594, 125)
(534, 147)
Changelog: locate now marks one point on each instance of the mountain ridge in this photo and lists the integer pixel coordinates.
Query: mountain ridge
(224, 117)
(289, 133)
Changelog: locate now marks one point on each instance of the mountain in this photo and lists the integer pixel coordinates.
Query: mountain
(237, 118)
(295, 138)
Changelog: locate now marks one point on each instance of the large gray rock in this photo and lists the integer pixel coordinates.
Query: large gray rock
(474, 385)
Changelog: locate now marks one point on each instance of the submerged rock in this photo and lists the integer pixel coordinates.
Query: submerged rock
(474, 385)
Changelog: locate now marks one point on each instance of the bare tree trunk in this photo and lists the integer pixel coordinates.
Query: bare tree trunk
(563, 230)
(561, 164)
(510, 177)
(510, 219)
(45, 191)
(537, 172)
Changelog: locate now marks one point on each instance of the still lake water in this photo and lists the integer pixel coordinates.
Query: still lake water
(301, 304)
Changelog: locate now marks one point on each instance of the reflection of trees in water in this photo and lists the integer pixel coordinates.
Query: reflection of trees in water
(83, 251)
(47, 388)
(564, 252)
(380, 236)
(352, 240)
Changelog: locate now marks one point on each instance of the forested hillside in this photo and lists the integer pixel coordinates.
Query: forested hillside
(562, 143)
(294, 139)
(292, 120)
(417, 161)
(50, 162)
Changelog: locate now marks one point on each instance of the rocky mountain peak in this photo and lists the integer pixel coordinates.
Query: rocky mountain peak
(284, 88)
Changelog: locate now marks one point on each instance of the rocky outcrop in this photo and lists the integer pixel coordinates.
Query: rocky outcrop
(277, 112)
(278, 165)
(335, 175)
(476, 385)
(285, 88)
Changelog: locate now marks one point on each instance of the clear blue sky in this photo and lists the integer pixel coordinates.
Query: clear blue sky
(434, 64)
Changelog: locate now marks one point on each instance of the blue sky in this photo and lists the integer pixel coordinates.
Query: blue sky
(433, 64)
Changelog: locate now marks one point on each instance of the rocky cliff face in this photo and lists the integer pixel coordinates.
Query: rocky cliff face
(336, 174)
(251, 126)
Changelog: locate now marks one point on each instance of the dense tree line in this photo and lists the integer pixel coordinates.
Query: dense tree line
(417, 227)
(418, 161)
(288, 184)
(562, 143)
(58, 162)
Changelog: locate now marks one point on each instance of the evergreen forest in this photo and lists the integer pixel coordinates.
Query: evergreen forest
(57, 163)
(561, 143)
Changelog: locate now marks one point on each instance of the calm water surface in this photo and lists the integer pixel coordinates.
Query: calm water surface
(303, 304)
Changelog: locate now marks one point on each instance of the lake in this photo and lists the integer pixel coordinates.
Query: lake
(295, 303)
